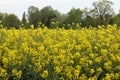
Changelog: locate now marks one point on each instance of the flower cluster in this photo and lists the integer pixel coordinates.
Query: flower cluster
(59, 54)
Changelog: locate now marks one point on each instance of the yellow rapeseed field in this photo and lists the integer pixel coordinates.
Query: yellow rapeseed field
(59, 54)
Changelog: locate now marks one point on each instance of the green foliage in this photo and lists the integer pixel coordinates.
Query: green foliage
(11, 20)
(33, 15)
(24, 18)
(74, 15)
(47, 14)
(1, 16)
(101, 10)
(44, 15)
(89, 21)
(117, 19)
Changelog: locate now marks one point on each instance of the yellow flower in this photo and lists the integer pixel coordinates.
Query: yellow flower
(95, 47)
(69, 75)
(71, 62)
(5, 60)
(3, 72)
(56, 62)
(92, 55)
(44, 74)
(92, 71)
(62, 51)
(108, 65)
(93, 78)
(99, 69)
(117, 76)
(113, 57)
(107, 77)
(83, 77)
(104, 52)
(19, 74)
(78, 67)
(14, 71)
(114, 47)
(57, 69)
(76, 73)
(66, 51)
(98, 59)
(90, 62)
(12, 54)
(118, 58)
(32, 26)
(41, 48)
(77, 54)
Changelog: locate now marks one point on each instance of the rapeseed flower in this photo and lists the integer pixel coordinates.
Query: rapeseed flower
(82, 54)
(44, 74)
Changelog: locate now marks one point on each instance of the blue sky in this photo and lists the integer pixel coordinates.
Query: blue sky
(19, 6)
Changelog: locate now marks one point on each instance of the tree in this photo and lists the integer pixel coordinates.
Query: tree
(60, 19)
(75, 15)
(11, 20)
(101, 9)
(89, 21)
(117, 19)
(24, 18)
(47, 14)
(33, 15)
(1, 16)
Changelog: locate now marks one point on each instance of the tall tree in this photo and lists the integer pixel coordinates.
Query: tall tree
(33, 15)
(11, 20)
(24, 18)
(1, 16)
(101, 9)
(75, 15)
(47, 14)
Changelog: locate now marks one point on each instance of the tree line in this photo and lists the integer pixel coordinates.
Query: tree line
(101, 14)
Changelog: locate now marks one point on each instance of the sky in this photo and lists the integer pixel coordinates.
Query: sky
(19, 6)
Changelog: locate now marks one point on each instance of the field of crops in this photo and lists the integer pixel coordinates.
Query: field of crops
(59, 54)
